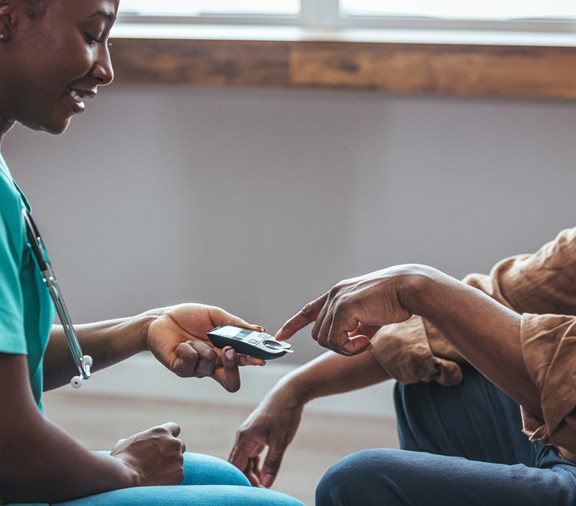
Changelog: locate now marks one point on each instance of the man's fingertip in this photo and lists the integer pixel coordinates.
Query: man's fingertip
(281, 335)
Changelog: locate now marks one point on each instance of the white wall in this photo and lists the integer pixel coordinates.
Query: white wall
(259, 200)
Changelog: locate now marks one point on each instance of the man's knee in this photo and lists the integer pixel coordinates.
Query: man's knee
(361, 478)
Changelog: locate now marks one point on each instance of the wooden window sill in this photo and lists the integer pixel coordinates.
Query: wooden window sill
(510, 65)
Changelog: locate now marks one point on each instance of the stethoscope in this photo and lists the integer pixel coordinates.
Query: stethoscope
(83, 362)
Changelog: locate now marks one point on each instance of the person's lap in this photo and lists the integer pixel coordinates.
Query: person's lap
(460, 445)
(208, 481)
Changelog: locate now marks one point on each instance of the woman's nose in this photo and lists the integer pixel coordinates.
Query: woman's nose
(102, 70)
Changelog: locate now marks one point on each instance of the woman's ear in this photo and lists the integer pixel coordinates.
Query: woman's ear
(6, 20)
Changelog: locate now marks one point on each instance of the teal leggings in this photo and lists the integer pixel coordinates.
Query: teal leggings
(461, 446)
(208, 482)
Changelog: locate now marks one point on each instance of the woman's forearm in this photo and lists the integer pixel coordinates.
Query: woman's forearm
(107, 342)
(40, 462)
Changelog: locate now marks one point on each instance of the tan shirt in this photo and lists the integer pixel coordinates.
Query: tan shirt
(542, 288)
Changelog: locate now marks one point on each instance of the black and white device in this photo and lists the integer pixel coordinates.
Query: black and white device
(249, 342)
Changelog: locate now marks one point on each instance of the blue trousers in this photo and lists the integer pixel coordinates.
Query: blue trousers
(461, 446)
(208, 481)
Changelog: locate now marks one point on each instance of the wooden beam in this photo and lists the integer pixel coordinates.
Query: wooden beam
(201, 62)
(447, 69)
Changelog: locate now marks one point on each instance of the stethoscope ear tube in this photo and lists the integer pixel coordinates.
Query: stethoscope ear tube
(35, 241)
(82, 362)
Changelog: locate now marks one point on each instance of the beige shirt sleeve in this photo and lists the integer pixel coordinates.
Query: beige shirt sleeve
(549, 350)
(405, 351)
(542, 282)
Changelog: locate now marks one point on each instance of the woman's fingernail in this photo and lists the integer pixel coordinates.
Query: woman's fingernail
(229, 353)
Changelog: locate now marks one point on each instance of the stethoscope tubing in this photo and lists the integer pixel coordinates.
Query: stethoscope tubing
(82, 362)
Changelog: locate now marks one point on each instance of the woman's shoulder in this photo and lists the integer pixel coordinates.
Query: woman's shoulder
(10, 202)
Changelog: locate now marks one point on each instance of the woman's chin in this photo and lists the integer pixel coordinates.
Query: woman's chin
(52, 127)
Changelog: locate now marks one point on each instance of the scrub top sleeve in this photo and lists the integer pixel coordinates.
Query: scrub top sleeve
(12, 335)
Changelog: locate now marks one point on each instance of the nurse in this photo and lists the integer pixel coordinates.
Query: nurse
(53, 56)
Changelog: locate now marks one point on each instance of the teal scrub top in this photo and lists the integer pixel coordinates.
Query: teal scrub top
(26, 310)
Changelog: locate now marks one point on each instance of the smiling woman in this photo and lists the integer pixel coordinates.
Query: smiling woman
(53, 56)
(71, 57)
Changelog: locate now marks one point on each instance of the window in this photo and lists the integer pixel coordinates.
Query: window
(488, 14)
(450, 9)
(210, 8)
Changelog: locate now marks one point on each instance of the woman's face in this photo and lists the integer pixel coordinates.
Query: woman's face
(50, 65)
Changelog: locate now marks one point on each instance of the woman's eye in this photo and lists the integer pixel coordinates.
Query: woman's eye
(91, 39)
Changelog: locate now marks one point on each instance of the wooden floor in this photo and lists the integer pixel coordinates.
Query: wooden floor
(322, 439)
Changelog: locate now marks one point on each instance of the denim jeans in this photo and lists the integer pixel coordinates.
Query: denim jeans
(208, 481)
(461, 446)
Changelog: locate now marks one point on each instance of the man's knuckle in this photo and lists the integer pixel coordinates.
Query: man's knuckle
(273, 464)
(306, 310)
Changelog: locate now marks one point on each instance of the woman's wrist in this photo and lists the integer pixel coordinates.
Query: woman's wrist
(125, 476)
(142, 324)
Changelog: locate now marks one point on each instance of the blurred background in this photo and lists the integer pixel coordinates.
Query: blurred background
(260, 198)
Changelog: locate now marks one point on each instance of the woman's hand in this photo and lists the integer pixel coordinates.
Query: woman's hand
(341, 314)
(155, 455)
(271, 425)
(177, 338)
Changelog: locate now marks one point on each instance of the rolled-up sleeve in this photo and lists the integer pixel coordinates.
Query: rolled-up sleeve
(540, 283)
(543, 282)
(404, 351)
(549, 351)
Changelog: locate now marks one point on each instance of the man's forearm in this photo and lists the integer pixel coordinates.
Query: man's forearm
(331, 373)
(486, 333)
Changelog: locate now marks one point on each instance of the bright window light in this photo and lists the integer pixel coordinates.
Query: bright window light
(457, 9)
(211, 7)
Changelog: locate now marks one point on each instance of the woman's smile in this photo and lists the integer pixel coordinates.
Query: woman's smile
(77, 97)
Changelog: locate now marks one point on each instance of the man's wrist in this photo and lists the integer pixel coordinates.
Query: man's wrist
(294, 388)
(416, 289)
